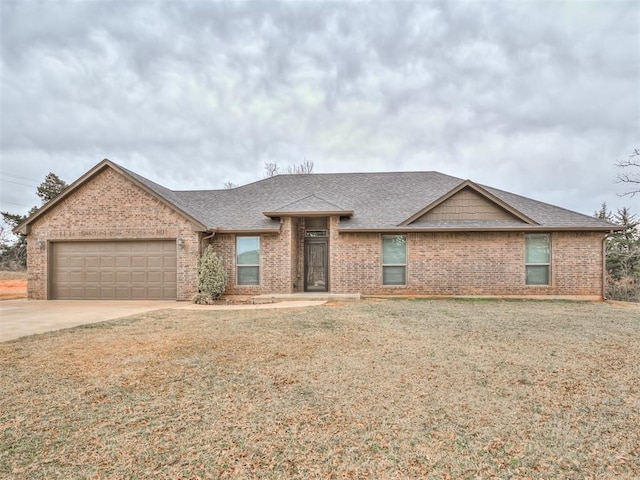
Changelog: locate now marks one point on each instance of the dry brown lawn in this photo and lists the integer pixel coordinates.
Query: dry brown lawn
(13, 285)
(386, 389)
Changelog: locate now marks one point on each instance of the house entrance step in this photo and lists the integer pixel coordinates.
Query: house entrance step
(286, 297)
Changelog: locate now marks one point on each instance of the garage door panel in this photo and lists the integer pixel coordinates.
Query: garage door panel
(123, 293)
(107, 292)
(114, 270)
(107, 261)
(156, 248)
(124, 262)
(123, 277)
(154, 262)
(142, 248)
(89, 261)
(107, 277)
(76, 292)
(75, 276)
(138, 261)
(91, 277)
(139, 277)
(77, 262)
(155, 293)
(155, 277)
(123, 247)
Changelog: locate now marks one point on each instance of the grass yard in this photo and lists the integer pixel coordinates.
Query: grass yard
(377, 389)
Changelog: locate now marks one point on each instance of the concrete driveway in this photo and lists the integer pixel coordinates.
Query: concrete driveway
(19, 318)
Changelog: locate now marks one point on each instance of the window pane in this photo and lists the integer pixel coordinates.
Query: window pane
(394, 249)
(248, 250)
(537, 275)
(248, 275)
(537, 249)
(393, 275)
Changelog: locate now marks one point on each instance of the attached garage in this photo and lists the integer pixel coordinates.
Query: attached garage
(113, 270)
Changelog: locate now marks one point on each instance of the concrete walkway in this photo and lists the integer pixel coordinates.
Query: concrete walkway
(19, 318)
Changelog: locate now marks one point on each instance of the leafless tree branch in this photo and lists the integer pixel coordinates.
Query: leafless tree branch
(632, 177)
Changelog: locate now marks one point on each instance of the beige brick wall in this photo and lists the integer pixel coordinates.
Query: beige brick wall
(474, 263)
(276, 261)
(110, 207)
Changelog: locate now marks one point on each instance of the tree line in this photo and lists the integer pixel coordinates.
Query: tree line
(13, 250)
(622, 255)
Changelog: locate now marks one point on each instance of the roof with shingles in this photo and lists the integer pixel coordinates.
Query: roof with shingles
(309, 204)
(379, 201)
(370, 201)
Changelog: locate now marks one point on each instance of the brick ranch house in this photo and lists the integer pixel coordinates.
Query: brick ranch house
(114, 234)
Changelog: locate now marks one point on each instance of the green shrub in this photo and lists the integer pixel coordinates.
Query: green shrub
(212, 277)
(202, 299)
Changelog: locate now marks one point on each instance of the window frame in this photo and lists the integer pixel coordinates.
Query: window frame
(240, 266)
(394, 265)
(546, 264)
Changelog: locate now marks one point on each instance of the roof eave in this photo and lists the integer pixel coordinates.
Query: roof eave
(245, 231)
(523, 228)
(314, 213)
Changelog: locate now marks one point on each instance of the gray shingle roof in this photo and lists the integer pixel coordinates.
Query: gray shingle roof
(379, 201)
(309, 204)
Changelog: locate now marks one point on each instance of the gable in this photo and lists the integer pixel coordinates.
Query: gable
(106, 191)
(109, 201)
(467, 205)
(311, 204)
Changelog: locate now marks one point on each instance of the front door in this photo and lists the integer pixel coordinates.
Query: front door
(316, 278)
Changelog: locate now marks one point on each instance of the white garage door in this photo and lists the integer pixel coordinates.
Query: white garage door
(127, 270)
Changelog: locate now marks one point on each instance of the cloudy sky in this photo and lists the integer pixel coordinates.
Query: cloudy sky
(539, 98)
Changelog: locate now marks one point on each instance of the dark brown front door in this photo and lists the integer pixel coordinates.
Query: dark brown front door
(316, 278)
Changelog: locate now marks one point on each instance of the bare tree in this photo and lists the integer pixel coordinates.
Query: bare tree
(300, 169)
(632, 175)
(229, 185)
(271, 169)
(303, 168)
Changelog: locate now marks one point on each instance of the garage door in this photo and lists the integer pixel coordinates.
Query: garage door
(135, 270)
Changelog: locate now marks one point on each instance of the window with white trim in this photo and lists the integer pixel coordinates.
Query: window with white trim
(394, 259)
(248, 260)
(538, 258)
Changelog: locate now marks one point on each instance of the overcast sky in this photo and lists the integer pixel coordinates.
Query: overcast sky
(537, 98)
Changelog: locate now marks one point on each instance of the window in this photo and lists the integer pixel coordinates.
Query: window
(537, 258)
(394, 260)
(248, 260)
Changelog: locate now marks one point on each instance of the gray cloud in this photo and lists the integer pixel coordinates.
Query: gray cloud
(536, 98)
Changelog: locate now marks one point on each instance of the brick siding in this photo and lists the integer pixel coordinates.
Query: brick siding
(474, 263)
(110, 207)
(277, 254)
